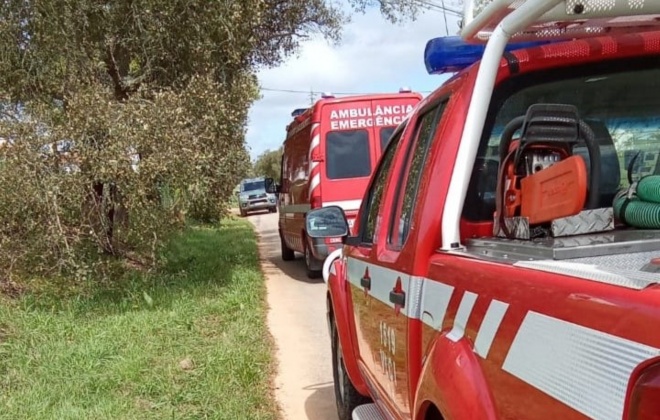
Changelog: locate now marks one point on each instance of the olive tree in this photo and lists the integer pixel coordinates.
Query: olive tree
(119, 118)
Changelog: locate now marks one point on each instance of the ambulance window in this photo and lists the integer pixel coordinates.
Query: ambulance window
(385, 134)
(409, 179)
(283, 173)
(376, 190)
(347, 154)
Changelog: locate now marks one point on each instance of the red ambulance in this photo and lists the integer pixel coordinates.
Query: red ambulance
(329, 154)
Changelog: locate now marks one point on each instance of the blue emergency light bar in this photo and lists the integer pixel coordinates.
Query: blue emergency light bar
(451, 54)
(298, 111)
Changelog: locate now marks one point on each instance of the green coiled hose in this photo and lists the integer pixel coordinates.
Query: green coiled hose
(641, 210)
(648, 189)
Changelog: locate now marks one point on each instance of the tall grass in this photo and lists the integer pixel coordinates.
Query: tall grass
(187, 342)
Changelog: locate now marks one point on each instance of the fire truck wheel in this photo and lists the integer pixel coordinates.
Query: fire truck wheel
(309, 261)
(273, 209)
(287, 253)
(346, 396)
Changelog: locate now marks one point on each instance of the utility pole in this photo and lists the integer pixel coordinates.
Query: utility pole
(311, 97)
(444, 12)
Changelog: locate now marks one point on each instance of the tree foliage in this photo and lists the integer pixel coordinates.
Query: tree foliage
(393, 10)
(269, 164)
(119, 118)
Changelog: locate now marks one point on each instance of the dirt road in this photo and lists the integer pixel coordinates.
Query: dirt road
(296, 319)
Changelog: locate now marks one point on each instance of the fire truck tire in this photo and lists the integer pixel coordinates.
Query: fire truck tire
(346, 396)
(273, 210)
(287, 253)
(309, 259)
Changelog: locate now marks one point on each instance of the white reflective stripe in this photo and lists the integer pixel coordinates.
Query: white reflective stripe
(583, 368)
(344, 204)
(295, 208)
(432, 297)
(382, 281)
(316, 141)
(435, 301)
(489, 326)
(462, 316)
(315, 181)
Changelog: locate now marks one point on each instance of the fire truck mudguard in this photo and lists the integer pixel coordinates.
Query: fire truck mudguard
(453, 381)
(340, 312)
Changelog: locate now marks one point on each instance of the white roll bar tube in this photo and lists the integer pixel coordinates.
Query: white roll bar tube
(327, 264)
(516, 21)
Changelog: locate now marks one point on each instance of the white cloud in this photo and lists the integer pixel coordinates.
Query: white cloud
(374, 56)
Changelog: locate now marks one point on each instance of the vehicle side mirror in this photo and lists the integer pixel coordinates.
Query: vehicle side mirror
(326, 222)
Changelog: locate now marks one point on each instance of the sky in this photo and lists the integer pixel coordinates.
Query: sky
(373, 56)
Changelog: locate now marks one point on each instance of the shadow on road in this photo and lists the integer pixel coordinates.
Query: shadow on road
(297, 321)
(270, 239)
(320, 405)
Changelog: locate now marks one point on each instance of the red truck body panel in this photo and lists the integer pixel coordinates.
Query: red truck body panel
(478, 338)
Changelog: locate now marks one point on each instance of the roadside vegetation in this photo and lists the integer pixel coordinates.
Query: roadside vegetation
(186, 341)
(269, 163)
(120, 120)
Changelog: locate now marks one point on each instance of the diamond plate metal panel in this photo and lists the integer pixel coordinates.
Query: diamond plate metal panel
(587, 221)
(480, 5)
(630, 261)
(569, 19)
(637, 280)
(367, 412)
(588, 6)
(603, 245)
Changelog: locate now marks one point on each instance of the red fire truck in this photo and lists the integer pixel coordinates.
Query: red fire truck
(505, 261)
(329, 153)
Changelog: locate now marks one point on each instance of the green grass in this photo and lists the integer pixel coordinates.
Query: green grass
(116, 353)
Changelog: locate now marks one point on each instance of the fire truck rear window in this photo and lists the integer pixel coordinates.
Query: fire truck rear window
(618, 102)
(347, 154)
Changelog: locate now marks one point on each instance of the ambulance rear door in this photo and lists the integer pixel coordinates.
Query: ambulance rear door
(349, 153)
